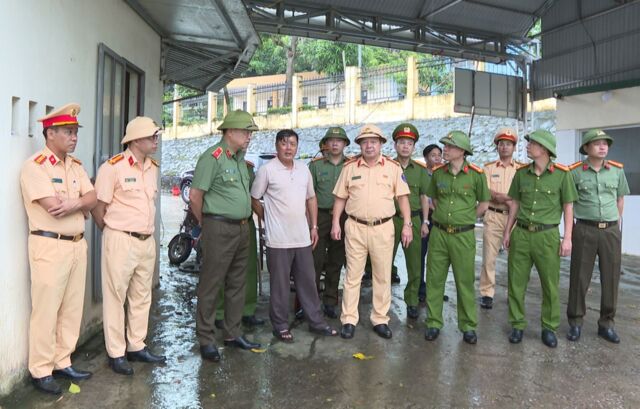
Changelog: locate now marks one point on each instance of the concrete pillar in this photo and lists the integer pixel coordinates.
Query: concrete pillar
(252, 106)
(412, 87)
(296, 99)
(212, 109)
(177, 114)
(352, 86)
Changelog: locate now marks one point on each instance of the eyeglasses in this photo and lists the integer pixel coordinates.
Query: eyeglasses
(153, 137)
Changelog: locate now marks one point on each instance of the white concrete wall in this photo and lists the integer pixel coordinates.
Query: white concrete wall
(614, 109)
(49, 54)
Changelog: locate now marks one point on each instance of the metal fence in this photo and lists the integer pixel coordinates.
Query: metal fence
(238, 99)
(386, 83)
(323, 92)
(270, 96)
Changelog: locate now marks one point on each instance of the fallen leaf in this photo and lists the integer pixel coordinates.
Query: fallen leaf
(73, 388)
(361, 356)
(213, 395)
(258, 350)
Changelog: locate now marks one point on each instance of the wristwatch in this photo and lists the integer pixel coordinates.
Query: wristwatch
(314, 227)
(410, 224)
(425, 222)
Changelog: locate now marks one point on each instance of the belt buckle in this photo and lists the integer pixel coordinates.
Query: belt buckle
(505, 212)
(531, 228)
(451, 229)
(144, 236)
(243, 221)
(77, 237)
(602, 225)
(371, 223)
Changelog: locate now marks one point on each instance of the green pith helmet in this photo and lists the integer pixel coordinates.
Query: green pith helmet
(238, 119)
(458, 139)
(544, 138)
(406, 130)
(594, 135)
(335, 132)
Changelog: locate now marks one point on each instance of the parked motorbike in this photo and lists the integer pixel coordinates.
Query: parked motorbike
(186, 240)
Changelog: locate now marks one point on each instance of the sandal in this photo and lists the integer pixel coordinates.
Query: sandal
(326, 331)
(284, 335)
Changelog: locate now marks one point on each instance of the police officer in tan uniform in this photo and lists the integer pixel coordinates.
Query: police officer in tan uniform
(366, 189)
(57, 196)
(499, 175)
(126, 186)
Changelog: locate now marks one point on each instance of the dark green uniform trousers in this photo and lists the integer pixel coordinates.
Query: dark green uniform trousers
(587, 242)
(526, 250)
(459, 251)
(251, 286)
(329, 256)
(411, 257)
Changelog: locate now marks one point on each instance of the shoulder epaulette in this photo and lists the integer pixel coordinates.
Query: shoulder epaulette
(523, 166)
(575, 165)
(346, 158)
(424, 165)
(518, 163)
(616, 164)
(562, 167)
(40, 159)
(116, 159)
(476, 168)
(216, 154)
(76, 160)
(250, 164)
(490, 163)
(155, 162)
(352, 160)
(317, 159)
(442, 165)
(391, 160)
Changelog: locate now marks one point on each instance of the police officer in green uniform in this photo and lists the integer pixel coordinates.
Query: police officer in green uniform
(460, 193)
(329, 254)
(251, 287)
(220, 200)
(415, 174)
(541, 192)
(601, 186)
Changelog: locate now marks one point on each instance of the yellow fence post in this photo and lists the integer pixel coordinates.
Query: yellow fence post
(412, 87)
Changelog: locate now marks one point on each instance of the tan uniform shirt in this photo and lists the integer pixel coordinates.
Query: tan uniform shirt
(45, 175)
(499, 178)
(370, 191)
(129, 189)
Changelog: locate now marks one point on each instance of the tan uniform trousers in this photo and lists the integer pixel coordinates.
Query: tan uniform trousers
(494, 224)
(377, 242)
(127, 275)
(58, 273)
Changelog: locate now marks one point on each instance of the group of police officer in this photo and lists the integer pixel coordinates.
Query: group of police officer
(367, 206)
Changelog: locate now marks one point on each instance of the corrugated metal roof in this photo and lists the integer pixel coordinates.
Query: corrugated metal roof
(205, 43)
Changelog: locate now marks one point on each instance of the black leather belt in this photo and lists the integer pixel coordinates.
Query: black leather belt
(53, 235)
(330, 211)
(414, 213)
(370, 223)
(501, 211)
(139, 236)
(600, 225)
(225, 219)
(453, 229)
(533, 227)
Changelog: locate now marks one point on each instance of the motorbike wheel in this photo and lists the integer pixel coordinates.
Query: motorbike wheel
(185, 188)
(179, 248)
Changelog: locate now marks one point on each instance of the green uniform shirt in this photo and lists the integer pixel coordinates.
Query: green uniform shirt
(325, 175)
(417, 178)
(541, 197)
(224, 178)
(457, 195)
(598, 192)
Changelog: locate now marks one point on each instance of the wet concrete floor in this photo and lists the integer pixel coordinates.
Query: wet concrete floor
(404, 372)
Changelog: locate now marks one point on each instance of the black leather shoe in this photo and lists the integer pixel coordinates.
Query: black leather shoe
(431, 334)
(395, 278)
(210, 353)
(549, 338)
(470, 337)
(445, 297)
(574, 333)
(71, 373)
(47, 384)
(241, 342)
(486, 303)
(144, 355)
(300, 314)
(252, 321)
(516, 336)
(219, 324)
(422, 298)
(120, 365)
(347, 331)
(383, 331)
(412, 312)
(329, 311)
(609, 334)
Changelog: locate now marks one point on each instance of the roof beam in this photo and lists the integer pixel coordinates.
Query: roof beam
(144, 14)
(179, 74)
(438, 10)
